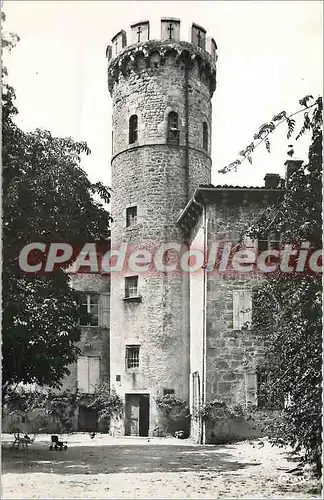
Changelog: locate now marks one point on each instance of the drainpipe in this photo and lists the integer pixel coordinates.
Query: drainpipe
(186, 109)
(204, 354)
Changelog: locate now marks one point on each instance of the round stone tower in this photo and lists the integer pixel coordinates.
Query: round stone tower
(161, 145)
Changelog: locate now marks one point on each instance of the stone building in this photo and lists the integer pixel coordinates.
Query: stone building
(224, 349)
(92, 366)
(155, 333)
(161, 152)
(170, 333)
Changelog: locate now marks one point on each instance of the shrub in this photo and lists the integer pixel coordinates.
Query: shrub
(107, 404)
(175, 413)
(218, 410)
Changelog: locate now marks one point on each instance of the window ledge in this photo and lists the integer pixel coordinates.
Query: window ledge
(132, 228)
(137, 298)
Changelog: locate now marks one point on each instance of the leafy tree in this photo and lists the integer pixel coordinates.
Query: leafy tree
(48, 407)
(293, 303)
(46, 197)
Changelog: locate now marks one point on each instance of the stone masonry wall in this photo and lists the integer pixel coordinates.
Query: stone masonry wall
(158, 178)
(94, 342)
(232, 355)
(94, 339)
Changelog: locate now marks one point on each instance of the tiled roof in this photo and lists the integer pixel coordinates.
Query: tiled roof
(227, 186)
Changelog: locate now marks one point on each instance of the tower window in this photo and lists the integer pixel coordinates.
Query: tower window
(133, 125)
(131, 286)
(173, 130)
(131, 216)
(132, 356)
(205, 136)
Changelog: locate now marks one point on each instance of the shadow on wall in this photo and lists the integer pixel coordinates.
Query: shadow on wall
(37, 422)
(30, 422)
(169, 426)
(254, 425)
(230, 430)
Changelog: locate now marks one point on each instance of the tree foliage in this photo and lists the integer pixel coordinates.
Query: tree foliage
(107, 403)
(215, 410)
(172, 406)
(310, 108)
(174, 414)
(47, 197)
(289, 308)
(43, 404)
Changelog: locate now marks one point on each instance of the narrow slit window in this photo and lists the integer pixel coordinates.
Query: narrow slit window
(205, 136)
(133, 129)
(173, 128)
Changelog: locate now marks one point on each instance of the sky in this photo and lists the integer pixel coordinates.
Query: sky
(270, 55)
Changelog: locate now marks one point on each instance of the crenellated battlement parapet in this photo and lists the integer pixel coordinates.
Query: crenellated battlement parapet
(170, 31)
(198, 48)
(153, 55)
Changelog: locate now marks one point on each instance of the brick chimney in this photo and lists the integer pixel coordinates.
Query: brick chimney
(272, 181)
(292, 165)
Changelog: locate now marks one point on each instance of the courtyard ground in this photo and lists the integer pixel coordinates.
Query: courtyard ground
(107, 467)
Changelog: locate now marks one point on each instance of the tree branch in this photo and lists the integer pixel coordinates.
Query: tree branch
(235, 164)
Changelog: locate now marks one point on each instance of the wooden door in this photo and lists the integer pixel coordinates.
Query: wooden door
(132, 414)
(88, 420)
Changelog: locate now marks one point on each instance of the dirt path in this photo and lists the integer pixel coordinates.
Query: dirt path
(156, 468)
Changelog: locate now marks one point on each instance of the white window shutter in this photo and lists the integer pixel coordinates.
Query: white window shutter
(250, 243)
(122, 286)
(94, 373)
(251, 388)
(141, 214)
(242, 308)
(246, 301)
(83, 374)
(236, 304)
(104, 310)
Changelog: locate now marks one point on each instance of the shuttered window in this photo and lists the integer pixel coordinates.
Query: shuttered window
(242, 309)
(105, 309)
(251, 389)
(88, 372)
